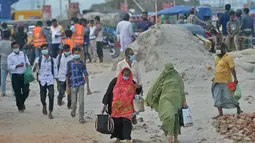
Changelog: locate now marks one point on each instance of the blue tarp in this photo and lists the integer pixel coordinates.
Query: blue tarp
(184, 9)
(5, 9)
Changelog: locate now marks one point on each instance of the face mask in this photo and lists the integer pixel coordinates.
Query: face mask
(67, 53)
(218, 52)
(72, 22)
(16, 50)
(45, 52)
(132, 58)
(125, 77)
(76, 56)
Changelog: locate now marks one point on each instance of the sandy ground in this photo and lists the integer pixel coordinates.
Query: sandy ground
(33, 127)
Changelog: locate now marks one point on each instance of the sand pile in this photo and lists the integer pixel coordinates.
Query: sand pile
(240, 128)
(170, 43)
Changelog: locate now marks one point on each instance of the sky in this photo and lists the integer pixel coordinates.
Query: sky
(28, 4)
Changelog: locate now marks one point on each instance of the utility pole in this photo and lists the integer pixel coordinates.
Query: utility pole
(60, 4)
(195, 7)
(69, 1)
(174, 2)
(44, 2)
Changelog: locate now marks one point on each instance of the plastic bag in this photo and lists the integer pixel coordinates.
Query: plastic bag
(187, 117)
(238, 93)
(28, 75)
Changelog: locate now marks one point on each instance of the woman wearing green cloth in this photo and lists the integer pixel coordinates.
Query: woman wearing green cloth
(167, 96)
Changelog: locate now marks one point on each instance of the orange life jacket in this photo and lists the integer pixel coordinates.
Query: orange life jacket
(39, 38)
(78, 34)
(69, 42)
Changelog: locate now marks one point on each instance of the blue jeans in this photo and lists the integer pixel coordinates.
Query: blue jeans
(37, 52)
(4, 74)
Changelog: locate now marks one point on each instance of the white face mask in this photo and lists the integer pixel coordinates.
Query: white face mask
(218, 52)
(16, 50)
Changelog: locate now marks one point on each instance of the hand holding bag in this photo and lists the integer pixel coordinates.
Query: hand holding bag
(104, 124)
(28, 75)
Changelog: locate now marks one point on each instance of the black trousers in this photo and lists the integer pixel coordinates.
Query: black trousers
(21, 90)
(100, 49)
(43, 95)
(62, 91)
(122, 128)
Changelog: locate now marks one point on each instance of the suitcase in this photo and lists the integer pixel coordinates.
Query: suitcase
(104, 124)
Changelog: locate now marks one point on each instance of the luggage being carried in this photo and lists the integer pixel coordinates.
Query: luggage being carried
(104, 124)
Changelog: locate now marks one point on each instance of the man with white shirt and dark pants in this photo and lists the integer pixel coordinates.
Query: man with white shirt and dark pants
(62, 61)
(47, 69)
(17, 62)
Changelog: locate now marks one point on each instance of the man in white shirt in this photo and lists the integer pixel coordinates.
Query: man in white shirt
(125, 30)
(57, 32)
(99, 39)
(62, 61)
(17, 62)
(92, 37)
(47, 70)
(130, 62)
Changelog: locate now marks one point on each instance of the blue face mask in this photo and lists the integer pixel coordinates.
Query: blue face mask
(125, 77)
(67, 53)
(45, 52)
(76, 56)
(132, 58)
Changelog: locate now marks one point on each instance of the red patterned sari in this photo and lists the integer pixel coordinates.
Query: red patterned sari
(123, 95)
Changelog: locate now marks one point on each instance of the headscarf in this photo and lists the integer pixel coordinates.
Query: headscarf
(123, 95)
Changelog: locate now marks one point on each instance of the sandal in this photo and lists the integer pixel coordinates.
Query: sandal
(50, 116)
(73, 114)
(44, 111)
(82, 121)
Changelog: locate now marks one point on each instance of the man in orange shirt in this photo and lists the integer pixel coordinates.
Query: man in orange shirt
(78, 36)
(69, 40)
(224, 69)
(38, 38)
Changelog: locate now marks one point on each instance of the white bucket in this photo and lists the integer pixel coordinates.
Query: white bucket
(138, 105)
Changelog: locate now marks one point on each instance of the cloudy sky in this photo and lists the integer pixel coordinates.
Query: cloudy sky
(28, 4)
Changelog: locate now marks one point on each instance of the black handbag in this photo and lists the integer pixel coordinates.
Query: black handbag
(104, 124)
(181, 118)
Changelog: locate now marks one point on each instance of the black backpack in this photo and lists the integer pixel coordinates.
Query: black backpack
(40, 62)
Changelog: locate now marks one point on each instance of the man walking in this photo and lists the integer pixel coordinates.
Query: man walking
(47, 33)
(5, 50)
(92, 38)
(38, 38)
(21, 38)
(99, 39)
(237, 39)
(224, 70)
(125, 30)
(232, 29)
(62, 61)
(57, 32)
(78, 35)
(247, 29)
(87, 54)
(46, 72)
(17, 62)
(76, 77)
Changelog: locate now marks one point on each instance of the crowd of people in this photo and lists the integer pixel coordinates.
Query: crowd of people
(62, 55)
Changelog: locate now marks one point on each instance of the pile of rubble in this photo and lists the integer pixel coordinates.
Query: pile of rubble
(240, 128)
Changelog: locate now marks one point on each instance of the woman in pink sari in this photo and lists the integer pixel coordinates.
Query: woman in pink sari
(119, 98)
